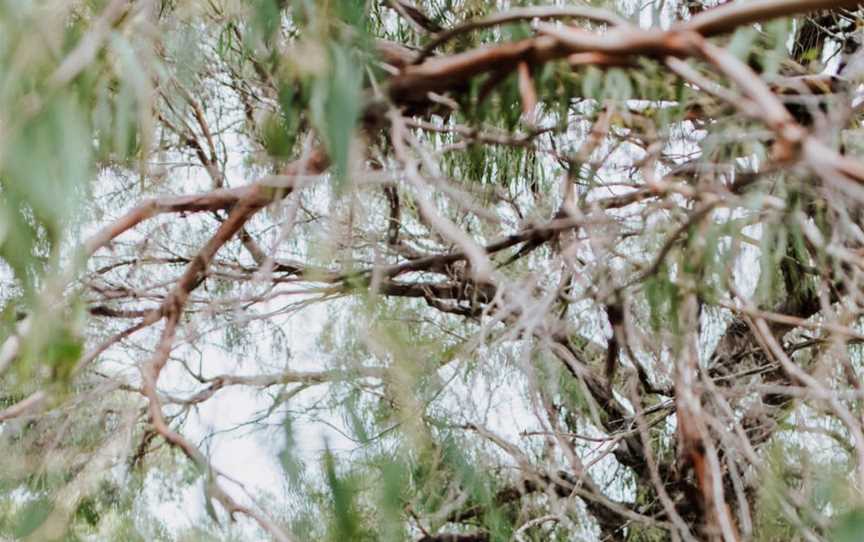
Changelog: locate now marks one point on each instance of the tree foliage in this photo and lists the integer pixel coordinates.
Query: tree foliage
(457, 271)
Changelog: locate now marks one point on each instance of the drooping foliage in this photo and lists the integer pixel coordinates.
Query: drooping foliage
(442, 270)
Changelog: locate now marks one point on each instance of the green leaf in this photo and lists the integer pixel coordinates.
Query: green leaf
(277, 139)
(46, 164)
(592, 83)
(32, 516)
(354, 419)
(850, 527)
(618, 85)
(62, 354)
(266, 19)
(288, 457)
(346, 524)
(336, 107)
(393, 481)
(742, 42)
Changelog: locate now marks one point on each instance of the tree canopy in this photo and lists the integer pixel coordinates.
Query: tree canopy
(431, 270)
